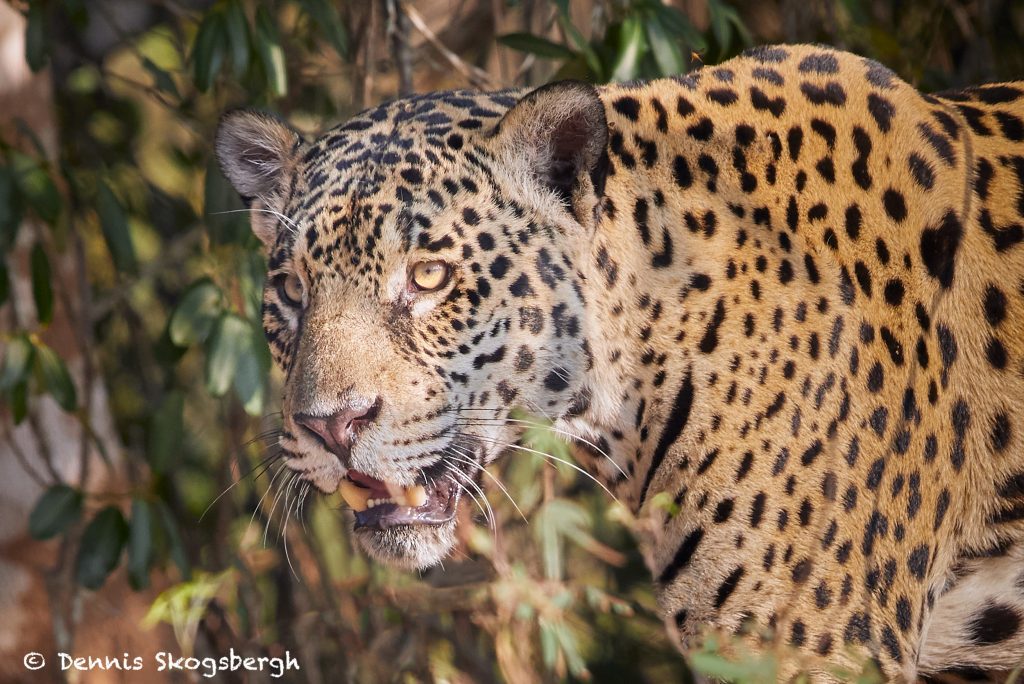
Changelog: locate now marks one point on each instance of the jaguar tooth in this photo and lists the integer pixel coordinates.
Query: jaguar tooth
(396, 492)
(415, 496)
(358, 498)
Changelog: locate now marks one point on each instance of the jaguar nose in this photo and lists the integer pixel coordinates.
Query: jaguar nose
(337, 432)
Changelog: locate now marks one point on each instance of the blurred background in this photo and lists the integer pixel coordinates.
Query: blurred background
(141, 505)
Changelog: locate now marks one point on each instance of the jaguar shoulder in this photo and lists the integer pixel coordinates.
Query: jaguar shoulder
(788, 291)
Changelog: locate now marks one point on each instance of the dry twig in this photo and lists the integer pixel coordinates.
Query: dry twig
(476, 76)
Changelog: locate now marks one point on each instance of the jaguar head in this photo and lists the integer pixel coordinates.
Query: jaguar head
(423, 281)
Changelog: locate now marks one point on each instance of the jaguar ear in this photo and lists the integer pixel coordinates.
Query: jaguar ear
(257, 153)
(557, 134)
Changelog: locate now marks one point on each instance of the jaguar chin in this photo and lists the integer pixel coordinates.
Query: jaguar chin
(410, 527)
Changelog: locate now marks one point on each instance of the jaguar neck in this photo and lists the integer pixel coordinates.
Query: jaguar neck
(674, 240)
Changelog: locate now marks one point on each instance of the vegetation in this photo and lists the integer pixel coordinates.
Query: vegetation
(130, 234)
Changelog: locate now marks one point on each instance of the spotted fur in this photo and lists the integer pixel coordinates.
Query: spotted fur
(785, 294)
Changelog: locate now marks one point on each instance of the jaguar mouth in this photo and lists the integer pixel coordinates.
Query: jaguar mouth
(383, 505)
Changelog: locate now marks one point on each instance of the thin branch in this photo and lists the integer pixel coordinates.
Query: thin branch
(500, 58)
(398, 32)
(476, 76)
(23, 459)
(45, 453)
(369, 57)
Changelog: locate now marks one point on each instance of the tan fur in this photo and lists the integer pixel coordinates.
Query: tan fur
(785, 302)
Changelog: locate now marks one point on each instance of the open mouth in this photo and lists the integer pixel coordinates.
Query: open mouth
(382, 505)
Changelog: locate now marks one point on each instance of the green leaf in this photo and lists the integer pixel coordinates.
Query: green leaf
(325, 16)
(56, 510)
(140, 544)
(252, 273)
(19, 402)
(666, 51)
(535, 45)
(742, 668)
(166, 428)
(37, 45)
(5, 283)
(42, 288)
(545, 528)
(17, 362)
(161, 79)
(177, 549)
(195, 315)
(36, 186)
(101, 546)
(678, 26)
(114, 222)
(55, 377)
(666, 502)
(741, 28)
(25, 129)
(250, 380)
(229, 341)
(569, 644)
(271, 54)
(548, 644)
(632, 47)
(538, 435)
(226, 218)
(575, 69)
(719, 25)
(581, 44)
(208, 49)
(238, 37)
(11, 209)
(723, 16)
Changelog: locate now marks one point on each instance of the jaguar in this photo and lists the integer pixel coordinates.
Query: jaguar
(784, 294)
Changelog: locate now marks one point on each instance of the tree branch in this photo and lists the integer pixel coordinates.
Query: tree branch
(476, 76)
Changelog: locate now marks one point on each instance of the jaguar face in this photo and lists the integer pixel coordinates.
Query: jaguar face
(422, 283)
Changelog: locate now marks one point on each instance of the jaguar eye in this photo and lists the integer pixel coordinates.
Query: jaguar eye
(428, 276)
(289, 289)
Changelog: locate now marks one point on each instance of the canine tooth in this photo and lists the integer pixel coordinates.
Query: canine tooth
(415, 496)
(358, 498)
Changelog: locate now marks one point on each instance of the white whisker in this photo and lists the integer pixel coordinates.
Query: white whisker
(277, 499)
(552, 428)
(270, 486)
(493, 477)
(233, 484)
(294, 227)
(489, 515)
(306, 486)
(468, 493)
(554, 458)
(284, 531)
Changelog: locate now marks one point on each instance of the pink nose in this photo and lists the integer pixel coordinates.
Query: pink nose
(337, 432)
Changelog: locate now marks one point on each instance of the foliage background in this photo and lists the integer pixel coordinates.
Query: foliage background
(126, 231)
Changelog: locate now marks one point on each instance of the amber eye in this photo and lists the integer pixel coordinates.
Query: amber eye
(427, 276)
(289, 289)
